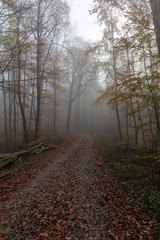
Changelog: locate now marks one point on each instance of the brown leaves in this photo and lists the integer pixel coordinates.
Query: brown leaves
(80, 200)
(44, 235)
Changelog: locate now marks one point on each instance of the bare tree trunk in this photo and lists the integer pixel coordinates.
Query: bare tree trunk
(25, 133)
(155, 103)
(55, 103)
(155, 7)
(55, 110)
(69, 116)
(5, 112)
(39, 84)
(132, 107)
(15, 113)
(116, 82)
(10, 106)
(127, 124)
(77, 114)
(141, 123)
(85, 111)
(31, 109)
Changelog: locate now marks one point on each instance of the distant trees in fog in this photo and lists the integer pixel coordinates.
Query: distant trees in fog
(80, 73)
(44, 72)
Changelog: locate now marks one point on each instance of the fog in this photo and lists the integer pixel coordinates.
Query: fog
(54, 84)
(85, 115)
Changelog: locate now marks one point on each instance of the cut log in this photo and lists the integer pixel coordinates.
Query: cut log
(8, 160)
(10, 172)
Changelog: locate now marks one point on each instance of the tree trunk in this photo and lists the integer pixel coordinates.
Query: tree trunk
(39, 84)
(31, 108)
(127, 124)
(25, 133)
(10, 106)
(153, 95)
(55, 103)
(132, 106)
(155, 7)
(116, 82)
(77, 113)
(69, 117)
(5, 112)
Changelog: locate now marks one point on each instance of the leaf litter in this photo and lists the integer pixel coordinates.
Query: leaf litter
(72, 196)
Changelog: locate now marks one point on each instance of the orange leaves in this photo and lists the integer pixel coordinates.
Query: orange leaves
(140, 236)
(66, 208)
(113, 235)
(58, 225)
(44, 235)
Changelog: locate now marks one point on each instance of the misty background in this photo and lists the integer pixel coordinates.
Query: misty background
(56, 80)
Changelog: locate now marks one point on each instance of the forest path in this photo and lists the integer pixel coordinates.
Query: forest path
(74, 197)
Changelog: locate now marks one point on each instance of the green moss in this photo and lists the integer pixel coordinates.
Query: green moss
(156, 235)
(151, 201)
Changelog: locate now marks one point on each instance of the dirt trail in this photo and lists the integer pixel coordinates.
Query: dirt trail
(73, 198)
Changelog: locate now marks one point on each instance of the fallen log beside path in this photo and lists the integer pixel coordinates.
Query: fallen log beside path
(7, 160)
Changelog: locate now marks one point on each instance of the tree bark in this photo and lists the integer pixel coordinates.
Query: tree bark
(55, 102)
(25, 133)
(116, 82)
(39, 84)
(69, 116)
(155, 7)
(5, 113)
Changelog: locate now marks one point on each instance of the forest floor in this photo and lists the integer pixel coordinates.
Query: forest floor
(70, 193)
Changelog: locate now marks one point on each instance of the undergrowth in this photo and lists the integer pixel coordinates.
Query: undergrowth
(138, 173)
